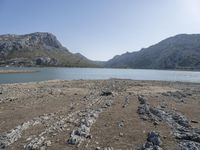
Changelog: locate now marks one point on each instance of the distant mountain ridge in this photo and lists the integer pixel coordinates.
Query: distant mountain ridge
(178, 52)
(38, 49)
(43, 49)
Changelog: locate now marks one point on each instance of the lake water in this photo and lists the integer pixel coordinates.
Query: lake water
(97, 73)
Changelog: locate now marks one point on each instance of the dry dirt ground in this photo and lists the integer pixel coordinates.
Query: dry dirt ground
(92, 115)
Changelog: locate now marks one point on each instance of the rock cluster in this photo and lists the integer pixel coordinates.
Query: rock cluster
(177, 94)
(187, 136)
(13, 135)
(89, 117)
(7, 99)
(41, 141)
(83, 131)
(153, 142)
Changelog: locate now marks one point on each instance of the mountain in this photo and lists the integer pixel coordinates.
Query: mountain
(38, 49)
(178, 52)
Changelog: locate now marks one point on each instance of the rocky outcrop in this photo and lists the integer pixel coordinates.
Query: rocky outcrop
(38, 49)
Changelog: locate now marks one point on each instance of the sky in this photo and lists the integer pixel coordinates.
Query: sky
(101, 29)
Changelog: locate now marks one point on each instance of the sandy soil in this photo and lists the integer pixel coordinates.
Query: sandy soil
(43, 115)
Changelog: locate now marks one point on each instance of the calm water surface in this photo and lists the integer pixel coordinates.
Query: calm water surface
(97, 73)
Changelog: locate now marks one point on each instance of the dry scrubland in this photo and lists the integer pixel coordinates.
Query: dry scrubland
(107, 114)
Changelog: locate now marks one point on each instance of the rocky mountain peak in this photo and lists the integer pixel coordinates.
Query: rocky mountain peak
(37, 39)
(38, 49)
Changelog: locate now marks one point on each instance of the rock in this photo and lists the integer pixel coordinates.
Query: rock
(108, 103)
(155, 123)
(2, 146)
(83, 131)
(121, 134)
(188, 145)
(106, 93)
(108, 148)
(154, 138)
(188, 137)
(35, 143)
(74, 140)
(181, 120)
(153, 142)
(97, 148)
(142, 99)
(143, 109)
(194, 121)
(29, 138)
(48, 143)
(163, 106)
(176, 94)
(121, 124)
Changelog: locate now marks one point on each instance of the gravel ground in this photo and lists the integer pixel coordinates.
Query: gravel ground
(100, 114)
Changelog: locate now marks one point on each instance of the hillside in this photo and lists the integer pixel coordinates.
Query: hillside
(178, 52)
(38, 49)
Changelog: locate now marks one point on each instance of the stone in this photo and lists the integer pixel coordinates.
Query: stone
(48, 143)
(108, 148)
(74, 140)
(181, 120)
(108, 103)
(194, 121)
(97, 148)
(121, 124)
(154, 138)
(82, 132)
(121, 134)
(142, 99)
(155, 123)
(143, 109)
(187, 137)
(153, 142)
(188, 145)
(106, 93)
(2, 146)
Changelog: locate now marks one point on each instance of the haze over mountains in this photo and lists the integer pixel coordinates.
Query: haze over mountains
(43, 49)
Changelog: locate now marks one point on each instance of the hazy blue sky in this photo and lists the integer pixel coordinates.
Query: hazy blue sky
(100, 29)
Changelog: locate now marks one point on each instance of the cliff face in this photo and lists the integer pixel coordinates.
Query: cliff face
(38, 48)
(178, 52)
